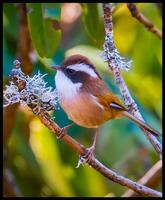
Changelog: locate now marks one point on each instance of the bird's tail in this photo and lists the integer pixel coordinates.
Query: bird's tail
(141, 123)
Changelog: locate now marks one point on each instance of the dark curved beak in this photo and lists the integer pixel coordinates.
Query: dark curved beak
(56, 68)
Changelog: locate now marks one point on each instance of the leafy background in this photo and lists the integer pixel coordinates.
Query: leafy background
(40, 164)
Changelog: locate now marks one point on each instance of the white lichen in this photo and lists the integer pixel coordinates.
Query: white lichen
(11, 95)
(81, 161)
(112, 55)
(34, 92)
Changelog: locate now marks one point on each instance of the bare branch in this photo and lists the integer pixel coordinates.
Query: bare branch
(24, 42)
(150, 179)
(115, 66)
(141, 18)
(9, 187)
(79, 148)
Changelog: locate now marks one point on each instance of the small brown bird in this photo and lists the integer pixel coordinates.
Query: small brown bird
(86, 99)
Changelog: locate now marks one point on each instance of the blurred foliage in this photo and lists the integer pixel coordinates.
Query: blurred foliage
(93, 23)
(43, 166)
(44, 37)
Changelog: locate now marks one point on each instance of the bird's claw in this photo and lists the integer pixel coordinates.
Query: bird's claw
(63, 131)
(87, 157)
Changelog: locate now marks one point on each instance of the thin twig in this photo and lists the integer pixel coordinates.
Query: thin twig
(79, 148)
(143, 19)
(150, 179)
(9, 187)
(115, 68)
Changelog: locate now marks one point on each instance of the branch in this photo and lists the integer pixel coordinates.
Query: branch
(45, 118)
(9, 187)
(23, 51)
(115, 63)
(24, 42)
(141, 18)
(150, 179)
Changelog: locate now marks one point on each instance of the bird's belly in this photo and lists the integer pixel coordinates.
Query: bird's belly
(85, 112)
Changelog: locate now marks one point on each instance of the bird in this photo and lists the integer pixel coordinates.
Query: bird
(87, 100)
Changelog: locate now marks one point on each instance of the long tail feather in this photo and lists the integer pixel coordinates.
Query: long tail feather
(141, 123)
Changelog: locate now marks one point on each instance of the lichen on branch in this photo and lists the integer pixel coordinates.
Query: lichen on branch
(20, 79)
(115, 64)
(29, 90)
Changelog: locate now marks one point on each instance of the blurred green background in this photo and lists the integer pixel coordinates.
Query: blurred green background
(38, 163)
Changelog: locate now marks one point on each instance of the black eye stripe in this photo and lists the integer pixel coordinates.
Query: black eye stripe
(70, 71)
(75, 76)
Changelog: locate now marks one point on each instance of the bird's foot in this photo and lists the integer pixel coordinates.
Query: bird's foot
(63, 131)
(87, 157)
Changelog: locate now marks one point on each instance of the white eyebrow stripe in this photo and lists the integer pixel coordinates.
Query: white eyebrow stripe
(83, 68)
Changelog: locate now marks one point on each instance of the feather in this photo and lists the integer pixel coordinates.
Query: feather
(141, 123)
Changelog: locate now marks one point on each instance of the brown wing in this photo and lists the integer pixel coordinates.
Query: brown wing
(100, 90)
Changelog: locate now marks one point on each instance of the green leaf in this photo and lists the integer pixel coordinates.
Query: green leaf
(49, 159)
(10, 23)
(92, 22)
(45, 37)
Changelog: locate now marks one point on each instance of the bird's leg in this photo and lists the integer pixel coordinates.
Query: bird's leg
(64, 130)
(91, 149)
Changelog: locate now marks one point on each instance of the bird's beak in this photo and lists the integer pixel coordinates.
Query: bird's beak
(56, 68)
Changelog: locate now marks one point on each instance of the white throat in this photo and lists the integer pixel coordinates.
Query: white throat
(66, 89)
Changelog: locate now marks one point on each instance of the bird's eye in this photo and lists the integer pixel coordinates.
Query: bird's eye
(70, 71)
